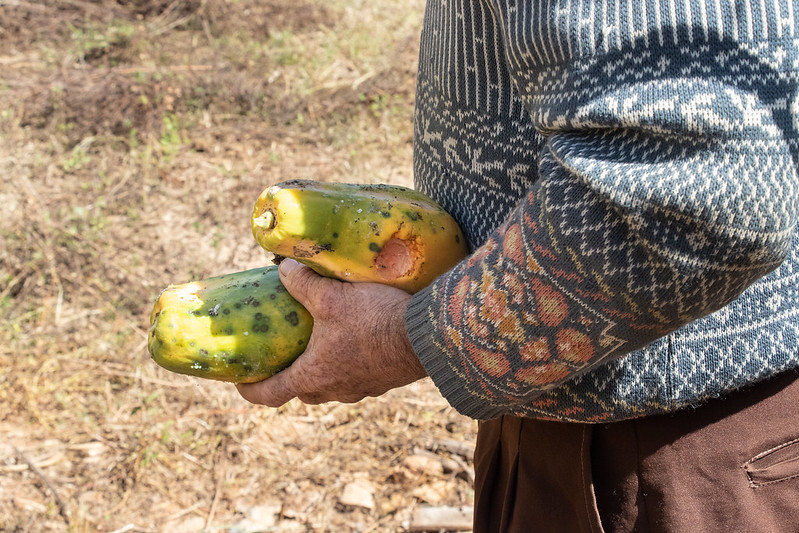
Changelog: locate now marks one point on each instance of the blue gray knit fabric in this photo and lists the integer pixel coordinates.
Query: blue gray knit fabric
(625, 171)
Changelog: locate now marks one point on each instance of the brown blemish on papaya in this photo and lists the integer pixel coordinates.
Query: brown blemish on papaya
(398, 258)
(305, 250)
(299, 251)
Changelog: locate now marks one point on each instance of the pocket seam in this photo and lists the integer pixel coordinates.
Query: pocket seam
(755, 484)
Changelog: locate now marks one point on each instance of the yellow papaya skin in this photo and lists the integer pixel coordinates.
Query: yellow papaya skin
(357, 232)
(241, 327)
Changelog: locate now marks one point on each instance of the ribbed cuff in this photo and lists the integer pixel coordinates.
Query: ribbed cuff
(428, 345)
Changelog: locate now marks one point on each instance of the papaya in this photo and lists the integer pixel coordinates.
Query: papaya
(240, 327)
(359, 232)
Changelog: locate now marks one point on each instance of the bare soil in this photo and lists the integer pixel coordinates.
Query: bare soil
(135, 136)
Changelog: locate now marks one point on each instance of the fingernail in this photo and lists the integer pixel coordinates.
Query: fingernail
(287, 266)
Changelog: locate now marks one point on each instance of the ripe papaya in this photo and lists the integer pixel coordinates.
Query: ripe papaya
(357, 232)
(241, 327)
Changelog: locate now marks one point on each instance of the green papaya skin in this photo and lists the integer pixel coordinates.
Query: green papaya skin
(241, 327)
(359, 232)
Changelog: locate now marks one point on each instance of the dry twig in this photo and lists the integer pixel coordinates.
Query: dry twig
(62, 507)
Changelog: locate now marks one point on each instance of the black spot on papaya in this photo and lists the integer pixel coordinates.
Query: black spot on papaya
(272, 296)
(203, 352)
(335, 235)
(458, 239)
(233, 360)
(386, 214)
(259, 316)
(292, 318)
(237, 305)
(374, 247)
(228, 331)
(225, 311)
(256, 303)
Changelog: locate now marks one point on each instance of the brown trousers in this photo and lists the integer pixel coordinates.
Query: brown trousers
(730, 466)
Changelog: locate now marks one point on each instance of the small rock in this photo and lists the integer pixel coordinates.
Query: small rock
(265, 515)
(359, 493)
(424, 464)
(433, 493)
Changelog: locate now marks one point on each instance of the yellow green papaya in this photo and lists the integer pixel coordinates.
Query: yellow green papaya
(241, 327)
(357, 232)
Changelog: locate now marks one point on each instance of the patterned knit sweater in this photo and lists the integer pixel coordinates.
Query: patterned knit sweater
(625, 171)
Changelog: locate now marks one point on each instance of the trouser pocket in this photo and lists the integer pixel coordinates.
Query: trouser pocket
(778, 464)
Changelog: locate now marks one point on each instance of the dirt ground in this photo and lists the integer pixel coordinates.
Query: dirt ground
(135, 136)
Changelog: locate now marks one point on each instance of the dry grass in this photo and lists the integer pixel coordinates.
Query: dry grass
(135, 136)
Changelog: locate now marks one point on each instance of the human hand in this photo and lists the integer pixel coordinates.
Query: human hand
(358, 346)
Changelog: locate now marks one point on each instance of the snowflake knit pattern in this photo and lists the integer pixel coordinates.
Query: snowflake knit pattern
(625, 172)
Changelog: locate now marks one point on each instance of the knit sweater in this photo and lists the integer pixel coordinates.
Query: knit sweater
(625, 172)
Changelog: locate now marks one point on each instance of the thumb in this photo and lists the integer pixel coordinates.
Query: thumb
(302, 282)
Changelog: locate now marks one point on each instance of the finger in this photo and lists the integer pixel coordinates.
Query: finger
(272, 392)
(305, 285)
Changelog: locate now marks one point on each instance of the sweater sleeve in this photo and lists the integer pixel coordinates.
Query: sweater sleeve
(666, 186)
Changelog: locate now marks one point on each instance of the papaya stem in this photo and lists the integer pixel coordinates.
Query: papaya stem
(267, 220)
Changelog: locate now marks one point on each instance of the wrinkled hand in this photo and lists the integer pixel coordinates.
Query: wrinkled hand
(358, 347)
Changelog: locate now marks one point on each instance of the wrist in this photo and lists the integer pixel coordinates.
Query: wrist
(400, 346)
